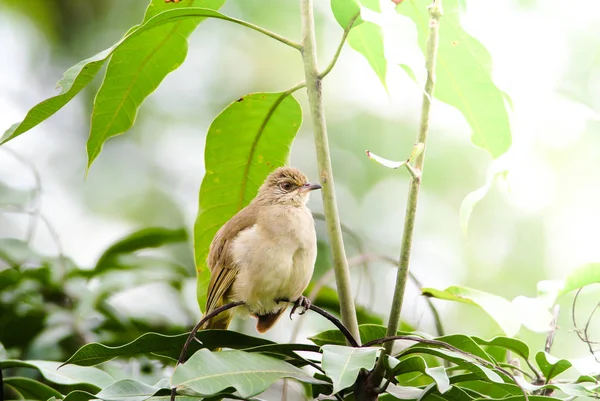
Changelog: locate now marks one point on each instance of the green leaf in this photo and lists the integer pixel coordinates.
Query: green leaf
(128, 390)
(72, 82)
(582, 276)
(519, 398)
(418, 364)
(512, 344)
(345, 10)
(498, 308)
(31, 389)
(551, 366)
(463, 75)
(404, 393)
(472, 198)
(152, 237)
(81, 74)
(166, 346)
(465, 343)
(368, 332)
(136, 69)
(367, 39)
(342, 364)
(208, 372)
(65, 375)
(248, 140)
(16, 252)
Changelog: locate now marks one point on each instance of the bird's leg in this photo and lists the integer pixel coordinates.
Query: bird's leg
(300, 302)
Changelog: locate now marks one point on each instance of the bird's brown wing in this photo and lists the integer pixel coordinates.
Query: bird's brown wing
(220, 260)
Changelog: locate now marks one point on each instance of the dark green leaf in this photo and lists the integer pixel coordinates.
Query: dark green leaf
(498, 308)
(418, 364)
(248, 140)
(79, 395)
(368, 332)
(463, 75)
(367, 39)
(31, 389)
(512, 344)
(551, 366)
(465, 343)
(342, 364)
(136, 69)
(166, 346)
(345, 10)
(65, 375)
(209, 373)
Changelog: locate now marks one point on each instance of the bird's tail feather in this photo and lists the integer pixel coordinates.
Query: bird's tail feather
(265, 322)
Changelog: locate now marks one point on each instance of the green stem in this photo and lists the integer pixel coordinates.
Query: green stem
(271, 34)
(435, 13)
(334, 231)
(339, 48)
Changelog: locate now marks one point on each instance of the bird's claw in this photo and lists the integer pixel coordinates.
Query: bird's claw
(300, 302)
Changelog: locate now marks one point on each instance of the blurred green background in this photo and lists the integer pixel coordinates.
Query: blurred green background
(537, 222)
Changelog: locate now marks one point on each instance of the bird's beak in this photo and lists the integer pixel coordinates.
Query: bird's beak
(309, 187)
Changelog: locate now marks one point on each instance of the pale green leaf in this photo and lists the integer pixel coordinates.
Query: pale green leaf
(68, 375)
(582, 276)
(386, 162)
(372, 5)
(501, 310)
(512, 344)
(463, 75)
(367, 39)
(346, 10)
(127, 390)
(248, 140)
(208, 373)
(342, 364)
(418, 364)
(404, 392)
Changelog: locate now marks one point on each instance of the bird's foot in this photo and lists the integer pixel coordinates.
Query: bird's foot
(301, 302)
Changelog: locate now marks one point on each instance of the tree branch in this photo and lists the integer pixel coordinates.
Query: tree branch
(435, 13)
(313, 85)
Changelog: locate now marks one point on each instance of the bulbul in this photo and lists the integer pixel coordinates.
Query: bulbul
(266, 253)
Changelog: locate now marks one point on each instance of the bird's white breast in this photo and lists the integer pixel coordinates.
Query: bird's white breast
(275, 258)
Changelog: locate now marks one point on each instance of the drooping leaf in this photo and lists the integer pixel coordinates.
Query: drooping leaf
(502, 311)
(345, 10)
(418, 364)
(551, 366)
(472, 198)
(128, 390)
(463, 75)
(367, 39)
(71, 374)
(368, 332)
(465, 343)
(166, 346)
(31, 389)
(248, 140)
(208, 373)
(79, 395)
(571, 389)
(342, 364)
(512, 344)
(582, 276)
(404, 392)
(136, 69)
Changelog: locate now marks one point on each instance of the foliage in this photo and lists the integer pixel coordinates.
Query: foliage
(61, 309)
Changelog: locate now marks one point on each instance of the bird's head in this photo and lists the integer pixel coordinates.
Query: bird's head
(286, 186)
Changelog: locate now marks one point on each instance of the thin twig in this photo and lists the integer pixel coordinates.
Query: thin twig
(552, 332)
(583, 334)
(327, 70)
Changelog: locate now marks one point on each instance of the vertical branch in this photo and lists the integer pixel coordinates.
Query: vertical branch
(435, 13)
(334, 231)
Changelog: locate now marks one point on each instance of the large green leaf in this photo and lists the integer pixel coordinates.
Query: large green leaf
(512, 344)
(582, 276)
(52, 371)
(167, 346)
(248, 140)
(81, 74)
(136, 69)
(367, 39)
(128, 390)
(463, 75)
(345, 10)
(208, 373)
(342, 364)
(498, 308)
(31, 389)
(465, 343)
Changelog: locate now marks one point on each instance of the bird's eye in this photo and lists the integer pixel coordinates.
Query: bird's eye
(286, 186)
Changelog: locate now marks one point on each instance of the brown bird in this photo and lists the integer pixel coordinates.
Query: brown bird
(264, 254)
